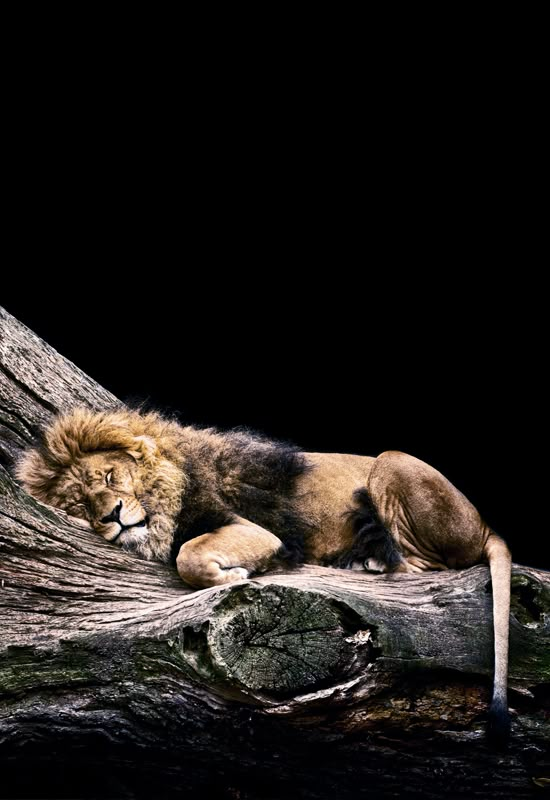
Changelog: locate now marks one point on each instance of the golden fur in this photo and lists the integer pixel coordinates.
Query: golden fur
(225, 505)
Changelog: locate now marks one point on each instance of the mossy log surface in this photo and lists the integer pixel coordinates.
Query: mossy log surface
(117, 680)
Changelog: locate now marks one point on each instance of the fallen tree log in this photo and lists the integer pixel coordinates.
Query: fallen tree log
(117, 680)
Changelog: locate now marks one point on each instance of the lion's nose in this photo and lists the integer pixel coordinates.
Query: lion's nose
(114, 516)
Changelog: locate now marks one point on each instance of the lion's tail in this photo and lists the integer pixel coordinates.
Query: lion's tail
(500, 564)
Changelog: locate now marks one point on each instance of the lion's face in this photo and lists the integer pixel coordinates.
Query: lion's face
(105, 489)
(119, 470)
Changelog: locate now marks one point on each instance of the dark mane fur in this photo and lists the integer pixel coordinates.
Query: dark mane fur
(255, 479)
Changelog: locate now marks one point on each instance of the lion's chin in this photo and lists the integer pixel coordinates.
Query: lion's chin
(133, 539)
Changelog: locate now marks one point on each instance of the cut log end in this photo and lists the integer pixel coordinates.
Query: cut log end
(281, 641)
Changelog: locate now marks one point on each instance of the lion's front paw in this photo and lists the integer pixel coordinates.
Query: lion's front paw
(202, 574)
(233, 574)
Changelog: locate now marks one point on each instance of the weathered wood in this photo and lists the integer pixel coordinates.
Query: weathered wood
(314, 683)
(36, 382)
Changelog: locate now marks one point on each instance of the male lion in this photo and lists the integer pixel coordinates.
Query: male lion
(223, 506)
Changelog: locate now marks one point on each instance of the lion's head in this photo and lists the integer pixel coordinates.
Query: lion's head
(114, 469)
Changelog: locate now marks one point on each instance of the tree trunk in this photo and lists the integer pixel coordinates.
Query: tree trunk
(118, 681)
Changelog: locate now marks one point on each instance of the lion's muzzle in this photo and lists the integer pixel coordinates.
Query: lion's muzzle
(124, 520)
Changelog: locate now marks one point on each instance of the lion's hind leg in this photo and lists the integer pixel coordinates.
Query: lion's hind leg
(227, 555)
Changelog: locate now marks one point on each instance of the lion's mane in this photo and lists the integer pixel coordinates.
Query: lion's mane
(195, 479)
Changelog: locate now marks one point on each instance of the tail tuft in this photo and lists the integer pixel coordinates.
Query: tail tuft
(498, 726)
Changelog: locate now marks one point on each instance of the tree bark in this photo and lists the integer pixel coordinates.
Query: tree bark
(117, 680)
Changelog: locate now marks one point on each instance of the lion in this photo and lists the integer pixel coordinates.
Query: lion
(223, 506)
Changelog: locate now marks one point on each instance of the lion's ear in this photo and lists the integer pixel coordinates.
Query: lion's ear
(143, 448)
